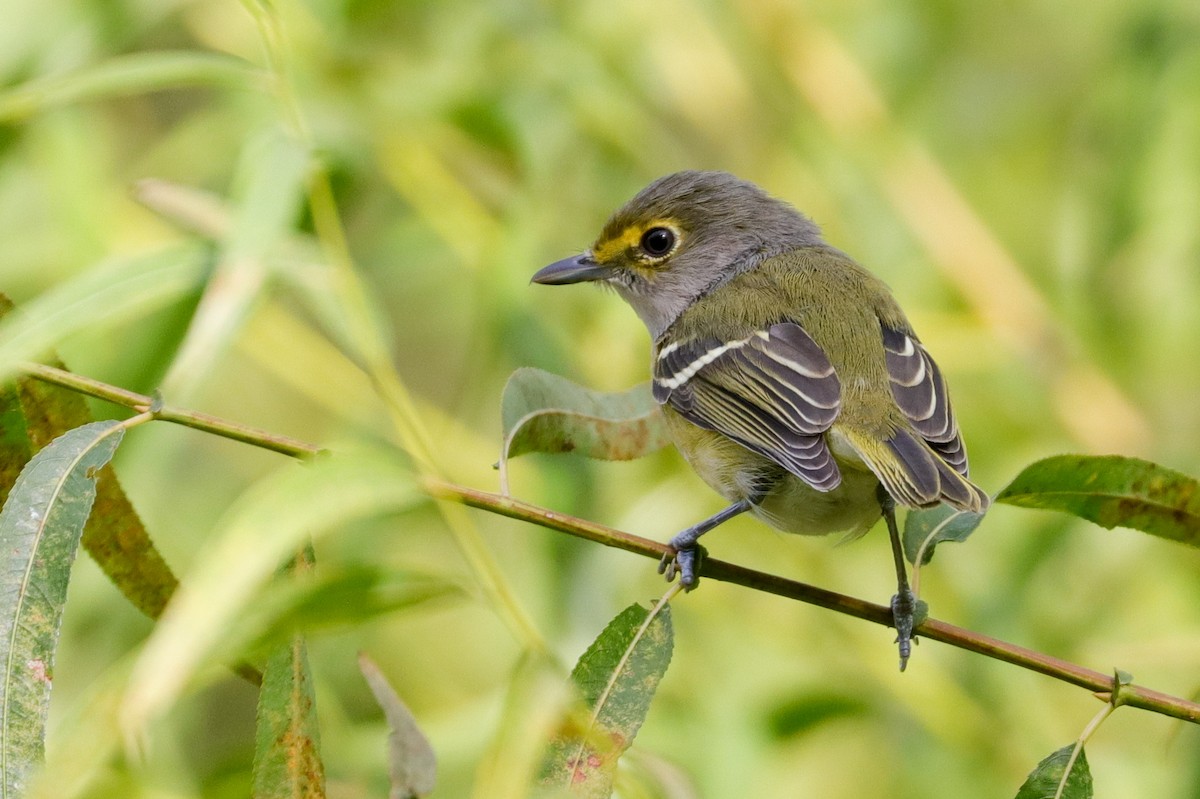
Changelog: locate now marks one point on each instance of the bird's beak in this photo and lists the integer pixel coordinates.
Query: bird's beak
(576, 269)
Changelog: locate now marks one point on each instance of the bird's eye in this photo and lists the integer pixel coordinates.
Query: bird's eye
(658, 241)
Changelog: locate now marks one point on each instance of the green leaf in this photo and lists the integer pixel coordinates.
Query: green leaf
(114, 535)
(411, 760)
(542, 412)
(1112, 491)
(264, 527)
(124, 75)
(272, 178)
(287, 750)
(40, 527)
(1044, 781)
(113, 291)
(617, 677)
(925, 528)
(335, 595)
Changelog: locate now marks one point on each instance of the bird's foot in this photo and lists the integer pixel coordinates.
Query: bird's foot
(683, 558)
(904, 609)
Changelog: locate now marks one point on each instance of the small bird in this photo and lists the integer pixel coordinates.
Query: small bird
(789, 378)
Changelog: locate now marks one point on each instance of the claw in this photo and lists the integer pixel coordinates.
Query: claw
(903, 605)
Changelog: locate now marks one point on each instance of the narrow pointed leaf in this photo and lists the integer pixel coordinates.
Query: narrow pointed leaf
(287, 751)
(929, 527)
(411, 761)
(40, 528)
(1113, 491)
(1043, 782)
(111, 292)
(127, 74)
(617, 677)
(32, 414)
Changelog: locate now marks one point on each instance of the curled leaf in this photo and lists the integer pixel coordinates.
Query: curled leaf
(542, 412)
(925, 528)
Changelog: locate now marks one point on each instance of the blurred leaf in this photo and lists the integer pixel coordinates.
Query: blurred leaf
(617, 677)
(537, 699)
(411, 760)
(192, 209)
(134, 73)
(287, 751)
(267, 524)
(925, 528)
(332, 596)
(40, 527)
(114, 291)
(1043, 782)
(789, 718)
(1112, 491)
(272, 175)
(542, 412)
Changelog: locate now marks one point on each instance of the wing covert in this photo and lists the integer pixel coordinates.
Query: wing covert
(774, 392)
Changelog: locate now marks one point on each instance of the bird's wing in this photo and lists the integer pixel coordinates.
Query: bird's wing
(774, 392)
(920, 392)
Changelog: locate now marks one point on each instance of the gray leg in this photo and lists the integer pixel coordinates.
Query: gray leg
(686, 555)
(903, 603)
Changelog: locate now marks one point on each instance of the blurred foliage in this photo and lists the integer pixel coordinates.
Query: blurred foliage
(1024, 175)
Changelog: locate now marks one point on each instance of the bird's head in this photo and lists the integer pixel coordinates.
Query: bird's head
(679, 238)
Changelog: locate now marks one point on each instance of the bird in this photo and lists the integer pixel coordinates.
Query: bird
(787, 374)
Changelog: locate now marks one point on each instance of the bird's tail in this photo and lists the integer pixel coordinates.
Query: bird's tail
(914, 474)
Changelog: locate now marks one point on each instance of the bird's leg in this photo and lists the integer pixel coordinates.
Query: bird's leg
(685, 553)
(903, 603)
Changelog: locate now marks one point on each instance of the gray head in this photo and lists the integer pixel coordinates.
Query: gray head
(682, 236)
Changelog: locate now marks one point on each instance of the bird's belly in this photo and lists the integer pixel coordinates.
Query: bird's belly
(788, 504)
(796, 507)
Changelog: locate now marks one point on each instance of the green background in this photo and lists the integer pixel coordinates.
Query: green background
(1023, 174)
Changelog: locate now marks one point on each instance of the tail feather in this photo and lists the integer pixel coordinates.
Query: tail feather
(915, 474)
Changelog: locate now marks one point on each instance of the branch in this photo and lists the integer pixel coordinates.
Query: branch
(142, 404)
(1103, 685)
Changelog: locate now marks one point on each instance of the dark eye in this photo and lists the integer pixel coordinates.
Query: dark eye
(658, 241)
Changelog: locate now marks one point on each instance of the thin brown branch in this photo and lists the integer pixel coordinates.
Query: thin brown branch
(143, 404)
(1101, 684)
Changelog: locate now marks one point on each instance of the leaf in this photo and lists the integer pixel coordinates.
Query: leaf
(124, 75)
(927, 527)
(617, 677)
(1043, 782)
(411, 760)
(1112, 491)
(542, 412)
(114, 291)
(272, 176)
(114, 535)
(266, 525)
(330, 597)
(287, 749)
(40, 527)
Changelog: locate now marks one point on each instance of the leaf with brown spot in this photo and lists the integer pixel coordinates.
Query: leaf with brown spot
(617, 678)
(542, 412)
(287, 751)
(40, 527)
(1112, 491)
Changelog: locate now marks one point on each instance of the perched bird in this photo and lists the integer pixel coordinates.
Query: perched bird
(790, 379)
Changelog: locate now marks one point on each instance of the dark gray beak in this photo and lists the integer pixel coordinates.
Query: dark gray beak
(576, 269)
